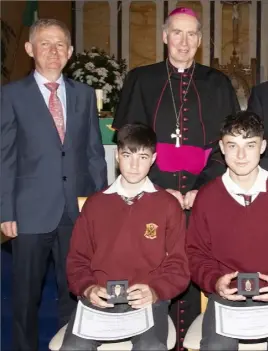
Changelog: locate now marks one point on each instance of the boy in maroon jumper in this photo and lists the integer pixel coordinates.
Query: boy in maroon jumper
(133, 230)
(228, 233)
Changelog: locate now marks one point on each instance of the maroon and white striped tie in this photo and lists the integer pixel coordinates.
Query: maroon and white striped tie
(247, 199)
(131, 200)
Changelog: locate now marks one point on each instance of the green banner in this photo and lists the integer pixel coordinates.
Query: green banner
(30, 14)
(107, 132)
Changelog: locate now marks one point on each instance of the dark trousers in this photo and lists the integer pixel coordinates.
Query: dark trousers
(154, 339)
(30, 253)
(211, 341)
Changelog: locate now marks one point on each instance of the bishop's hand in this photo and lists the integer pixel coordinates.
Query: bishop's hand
(178, 195)
(189, 199)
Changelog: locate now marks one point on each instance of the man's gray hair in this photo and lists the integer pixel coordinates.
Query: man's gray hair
(45, 23)
(167, 24)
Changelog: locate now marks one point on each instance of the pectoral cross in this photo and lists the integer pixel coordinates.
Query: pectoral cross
(177, 136)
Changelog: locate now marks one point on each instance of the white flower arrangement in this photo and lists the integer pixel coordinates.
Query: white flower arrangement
(100, 71)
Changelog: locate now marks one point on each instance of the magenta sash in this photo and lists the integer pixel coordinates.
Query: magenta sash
(184, 158)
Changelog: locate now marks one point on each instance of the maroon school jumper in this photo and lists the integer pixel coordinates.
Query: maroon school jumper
(225, 237)
(143, 242)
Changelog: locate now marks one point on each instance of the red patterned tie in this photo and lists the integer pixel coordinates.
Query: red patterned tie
(55, 108)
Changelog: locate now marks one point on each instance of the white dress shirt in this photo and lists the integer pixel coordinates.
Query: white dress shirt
(258, 187)
(61, 92)
(116, 187)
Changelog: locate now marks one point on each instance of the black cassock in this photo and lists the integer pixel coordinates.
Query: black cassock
(258, 103)
(146, 97)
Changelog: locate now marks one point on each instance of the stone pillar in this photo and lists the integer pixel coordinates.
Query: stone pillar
(159, 23)
(113, 27)
(218, 30)
(79, 26)
(125, 30)
(252, 29)
(264, 46)
(206, 32)
(171, 5)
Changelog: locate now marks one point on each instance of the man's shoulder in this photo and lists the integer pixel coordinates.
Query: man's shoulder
(262, 86)
(261, 89)
(79, 85)
(211, 73)
(148, 70)
(161, 66)
(17, 84)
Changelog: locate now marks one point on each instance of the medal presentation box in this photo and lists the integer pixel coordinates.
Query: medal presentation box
(248, 284)
(117, 289)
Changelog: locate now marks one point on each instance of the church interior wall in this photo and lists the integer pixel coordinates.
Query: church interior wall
(141, 37)
(243, 33)
(17, 62)
(138, 38)
(142, 33)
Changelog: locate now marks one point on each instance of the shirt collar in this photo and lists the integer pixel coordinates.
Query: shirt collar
(116, 187)
(258, 187)
(41, 80)
(175, 70)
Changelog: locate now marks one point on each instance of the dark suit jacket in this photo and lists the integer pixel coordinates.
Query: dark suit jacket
(258, 103)
(40, 176)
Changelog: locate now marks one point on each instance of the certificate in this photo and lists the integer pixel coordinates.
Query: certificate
(99, 325)
(242, 322)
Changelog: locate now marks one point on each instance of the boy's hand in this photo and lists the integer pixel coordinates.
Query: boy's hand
(262, 297)
(95, 294)
(141, 295)
(223, 288)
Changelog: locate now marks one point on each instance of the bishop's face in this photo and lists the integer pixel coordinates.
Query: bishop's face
(183, 38)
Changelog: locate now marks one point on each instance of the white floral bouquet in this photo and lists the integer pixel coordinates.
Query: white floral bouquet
(100, 71)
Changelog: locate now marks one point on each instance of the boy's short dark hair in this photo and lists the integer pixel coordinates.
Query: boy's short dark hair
(136, 136)
(245, 123)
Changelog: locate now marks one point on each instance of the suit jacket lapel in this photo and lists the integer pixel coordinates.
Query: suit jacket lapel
(39, 107)
(70, 111)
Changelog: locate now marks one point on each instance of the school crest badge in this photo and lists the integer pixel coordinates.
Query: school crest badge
(151, 231)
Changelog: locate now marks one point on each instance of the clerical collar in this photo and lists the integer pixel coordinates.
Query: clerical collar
(175, 70)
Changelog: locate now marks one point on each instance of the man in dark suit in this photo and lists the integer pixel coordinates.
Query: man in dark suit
(258, 103)
(51, 154)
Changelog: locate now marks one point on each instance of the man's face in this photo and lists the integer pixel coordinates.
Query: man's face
(242, 155)
(50, 49)
(182, 38)
(134, 167)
